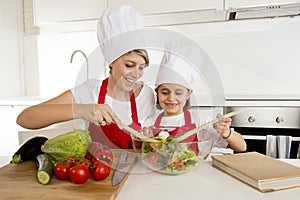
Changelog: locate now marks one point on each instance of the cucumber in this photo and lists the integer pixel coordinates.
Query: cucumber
(29, 149)
(44, 168)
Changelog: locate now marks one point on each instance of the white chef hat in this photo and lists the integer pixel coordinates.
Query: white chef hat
(119, 31)
(176, 67)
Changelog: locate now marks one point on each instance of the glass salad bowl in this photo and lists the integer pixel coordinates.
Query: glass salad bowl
(167, 156)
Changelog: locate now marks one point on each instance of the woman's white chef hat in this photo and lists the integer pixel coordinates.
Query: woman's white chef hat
(119, 31)
(176, 67)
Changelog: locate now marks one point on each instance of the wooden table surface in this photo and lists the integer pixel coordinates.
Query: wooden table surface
(18, 181)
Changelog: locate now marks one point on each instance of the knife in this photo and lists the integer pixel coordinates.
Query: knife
(122, 169)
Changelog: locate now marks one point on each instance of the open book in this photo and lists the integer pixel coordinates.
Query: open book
(262, 172)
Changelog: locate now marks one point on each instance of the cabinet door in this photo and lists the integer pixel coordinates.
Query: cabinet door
(9, 141)
(10, 48)
(46, 11)
(168, 6)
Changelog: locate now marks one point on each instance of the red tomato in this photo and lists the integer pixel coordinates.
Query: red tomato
(84, 161)
(71, 160)
(152, 157)
(101, 171)
(79, 174)
(61, 170)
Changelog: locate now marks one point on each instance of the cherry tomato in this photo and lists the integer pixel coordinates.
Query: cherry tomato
(152, 157)
(101, 171)
(79, 174)
(71, 160)
(61, 170)
(83, 161)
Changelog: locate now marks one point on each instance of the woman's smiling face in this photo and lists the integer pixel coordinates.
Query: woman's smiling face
(127, 69)
(172, 98)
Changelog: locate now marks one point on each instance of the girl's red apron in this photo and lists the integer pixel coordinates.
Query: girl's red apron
(111, 135)
(180, 130)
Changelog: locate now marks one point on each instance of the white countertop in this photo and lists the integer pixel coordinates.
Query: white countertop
(4, 160)
(204, 181)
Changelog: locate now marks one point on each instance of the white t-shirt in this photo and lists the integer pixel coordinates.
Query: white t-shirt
(88, 93)
(198, 119)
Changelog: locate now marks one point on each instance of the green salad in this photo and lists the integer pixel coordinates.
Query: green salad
(171, 157)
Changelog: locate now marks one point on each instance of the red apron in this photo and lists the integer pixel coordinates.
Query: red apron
(111, 135)
(180, 130)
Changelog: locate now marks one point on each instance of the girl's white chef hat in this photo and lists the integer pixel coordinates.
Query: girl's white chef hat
(119, 31)
(176, 67)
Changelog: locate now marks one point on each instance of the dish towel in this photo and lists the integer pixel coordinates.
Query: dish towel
(298, 152)
(278, 146)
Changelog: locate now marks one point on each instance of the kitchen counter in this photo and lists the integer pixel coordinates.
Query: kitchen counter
(4, 160)
(21, 100)
(204, 181)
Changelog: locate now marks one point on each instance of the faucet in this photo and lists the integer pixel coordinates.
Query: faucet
(87, 63)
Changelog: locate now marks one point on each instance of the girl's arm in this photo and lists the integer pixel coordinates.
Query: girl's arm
(234, 139)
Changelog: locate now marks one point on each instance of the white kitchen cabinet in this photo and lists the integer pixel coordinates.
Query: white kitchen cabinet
(10, 48)
(12, 135)
(169, 6)
(170, 12)
(54, 11)
(82, 15)
(9, 141)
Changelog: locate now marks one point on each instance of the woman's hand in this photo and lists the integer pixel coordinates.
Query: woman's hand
(148, 131)
(99, 114)
(223, 125)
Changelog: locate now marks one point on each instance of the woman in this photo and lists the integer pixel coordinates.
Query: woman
(116, 100)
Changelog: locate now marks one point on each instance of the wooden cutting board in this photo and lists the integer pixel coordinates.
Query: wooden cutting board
(18, 181)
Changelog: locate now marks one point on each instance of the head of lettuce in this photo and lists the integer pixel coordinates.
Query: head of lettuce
(73, 143)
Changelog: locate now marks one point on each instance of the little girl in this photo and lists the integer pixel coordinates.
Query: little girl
(173, 88)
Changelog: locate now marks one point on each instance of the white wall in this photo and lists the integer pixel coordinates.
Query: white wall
(56, 73)
(257, 59)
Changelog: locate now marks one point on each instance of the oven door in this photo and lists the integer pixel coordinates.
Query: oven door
(256, 138)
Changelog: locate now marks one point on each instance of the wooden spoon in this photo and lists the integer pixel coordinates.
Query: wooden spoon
(138, 134)
(191, 132)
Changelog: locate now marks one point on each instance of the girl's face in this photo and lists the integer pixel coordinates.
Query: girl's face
(126, 70)
(172, 98)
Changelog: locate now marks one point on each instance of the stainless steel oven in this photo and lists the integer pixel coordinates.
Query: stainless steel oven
(256, 122)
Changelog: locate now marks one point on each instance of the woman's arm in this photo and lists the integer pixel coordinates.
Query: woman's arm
(62, 108)
(58, 109)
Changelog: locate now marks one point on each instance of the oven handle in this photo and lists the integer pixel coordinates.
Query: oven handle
(261, 137)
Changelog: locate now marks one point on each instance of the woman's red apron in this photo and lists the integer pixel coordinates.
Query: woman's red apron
(180, 130)
(111, 135)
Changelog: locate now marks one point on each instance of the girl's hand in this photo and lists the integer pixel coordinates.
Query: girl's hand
(223, 125)
(99, 114)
